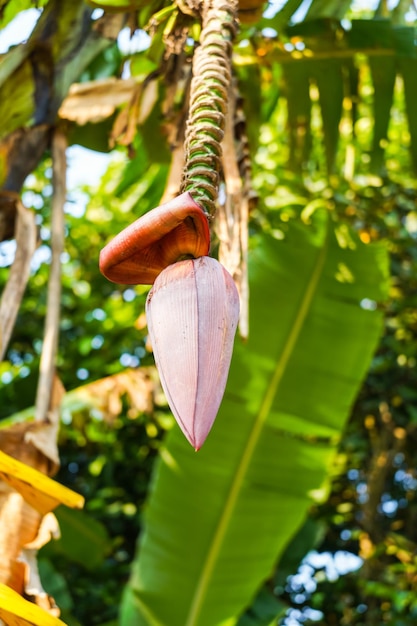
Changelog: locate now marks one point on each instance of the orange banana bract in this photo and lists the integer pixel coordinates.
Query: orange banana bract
(177, 229)
(192, 312)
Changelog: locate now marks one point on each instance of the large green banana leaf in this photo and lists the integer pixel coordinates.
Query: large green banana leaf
(217, 520)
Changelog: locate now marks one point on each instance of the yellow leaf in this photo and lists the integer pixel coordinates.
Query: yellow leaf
(15, 611)
(41, 492)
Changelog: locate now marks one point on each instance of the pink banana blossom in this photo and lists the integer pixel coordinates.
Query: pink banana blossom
(192, 309)
(192, 312)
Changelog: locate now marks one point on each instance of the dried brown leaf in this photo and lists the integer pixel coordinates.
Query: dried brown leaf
(139, 385)
(19, 441)
(232, 221)
(95, 101)
(25, 235)
(125, 124)
(19, 525)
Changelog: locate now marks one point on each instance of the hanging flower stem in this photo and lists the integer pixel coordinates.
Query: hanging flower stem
(208, 102)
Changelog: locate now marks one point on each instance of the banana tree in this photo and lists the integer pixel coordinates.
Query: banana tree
(218, 521)
(209, 543)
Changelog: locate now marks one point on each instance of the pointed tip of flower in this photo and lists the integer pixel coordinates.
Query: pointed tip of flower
(197, 449)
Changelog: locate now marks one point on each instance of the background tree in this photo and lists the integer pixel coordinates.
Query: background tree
(324, 117)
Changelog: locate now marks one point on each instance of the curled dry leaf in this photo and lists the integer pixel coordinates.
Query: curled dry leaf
(19, 525)
(48, 529)
(16, 611)
(35, 442)
(26, 496)
(95, 101)
(141, 386)
(25, 235)
(23, 532)
(192, 312)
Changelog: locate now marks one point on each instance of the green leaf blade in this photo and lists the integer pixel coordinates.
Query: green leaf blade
(218, 520)
(329, 79)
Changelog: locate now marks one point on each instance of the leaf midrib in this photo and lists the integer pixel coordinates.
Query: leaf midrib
(203, 582)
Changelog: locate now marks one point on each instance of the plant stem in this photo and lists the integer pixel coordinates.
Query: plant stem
(208, 102)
